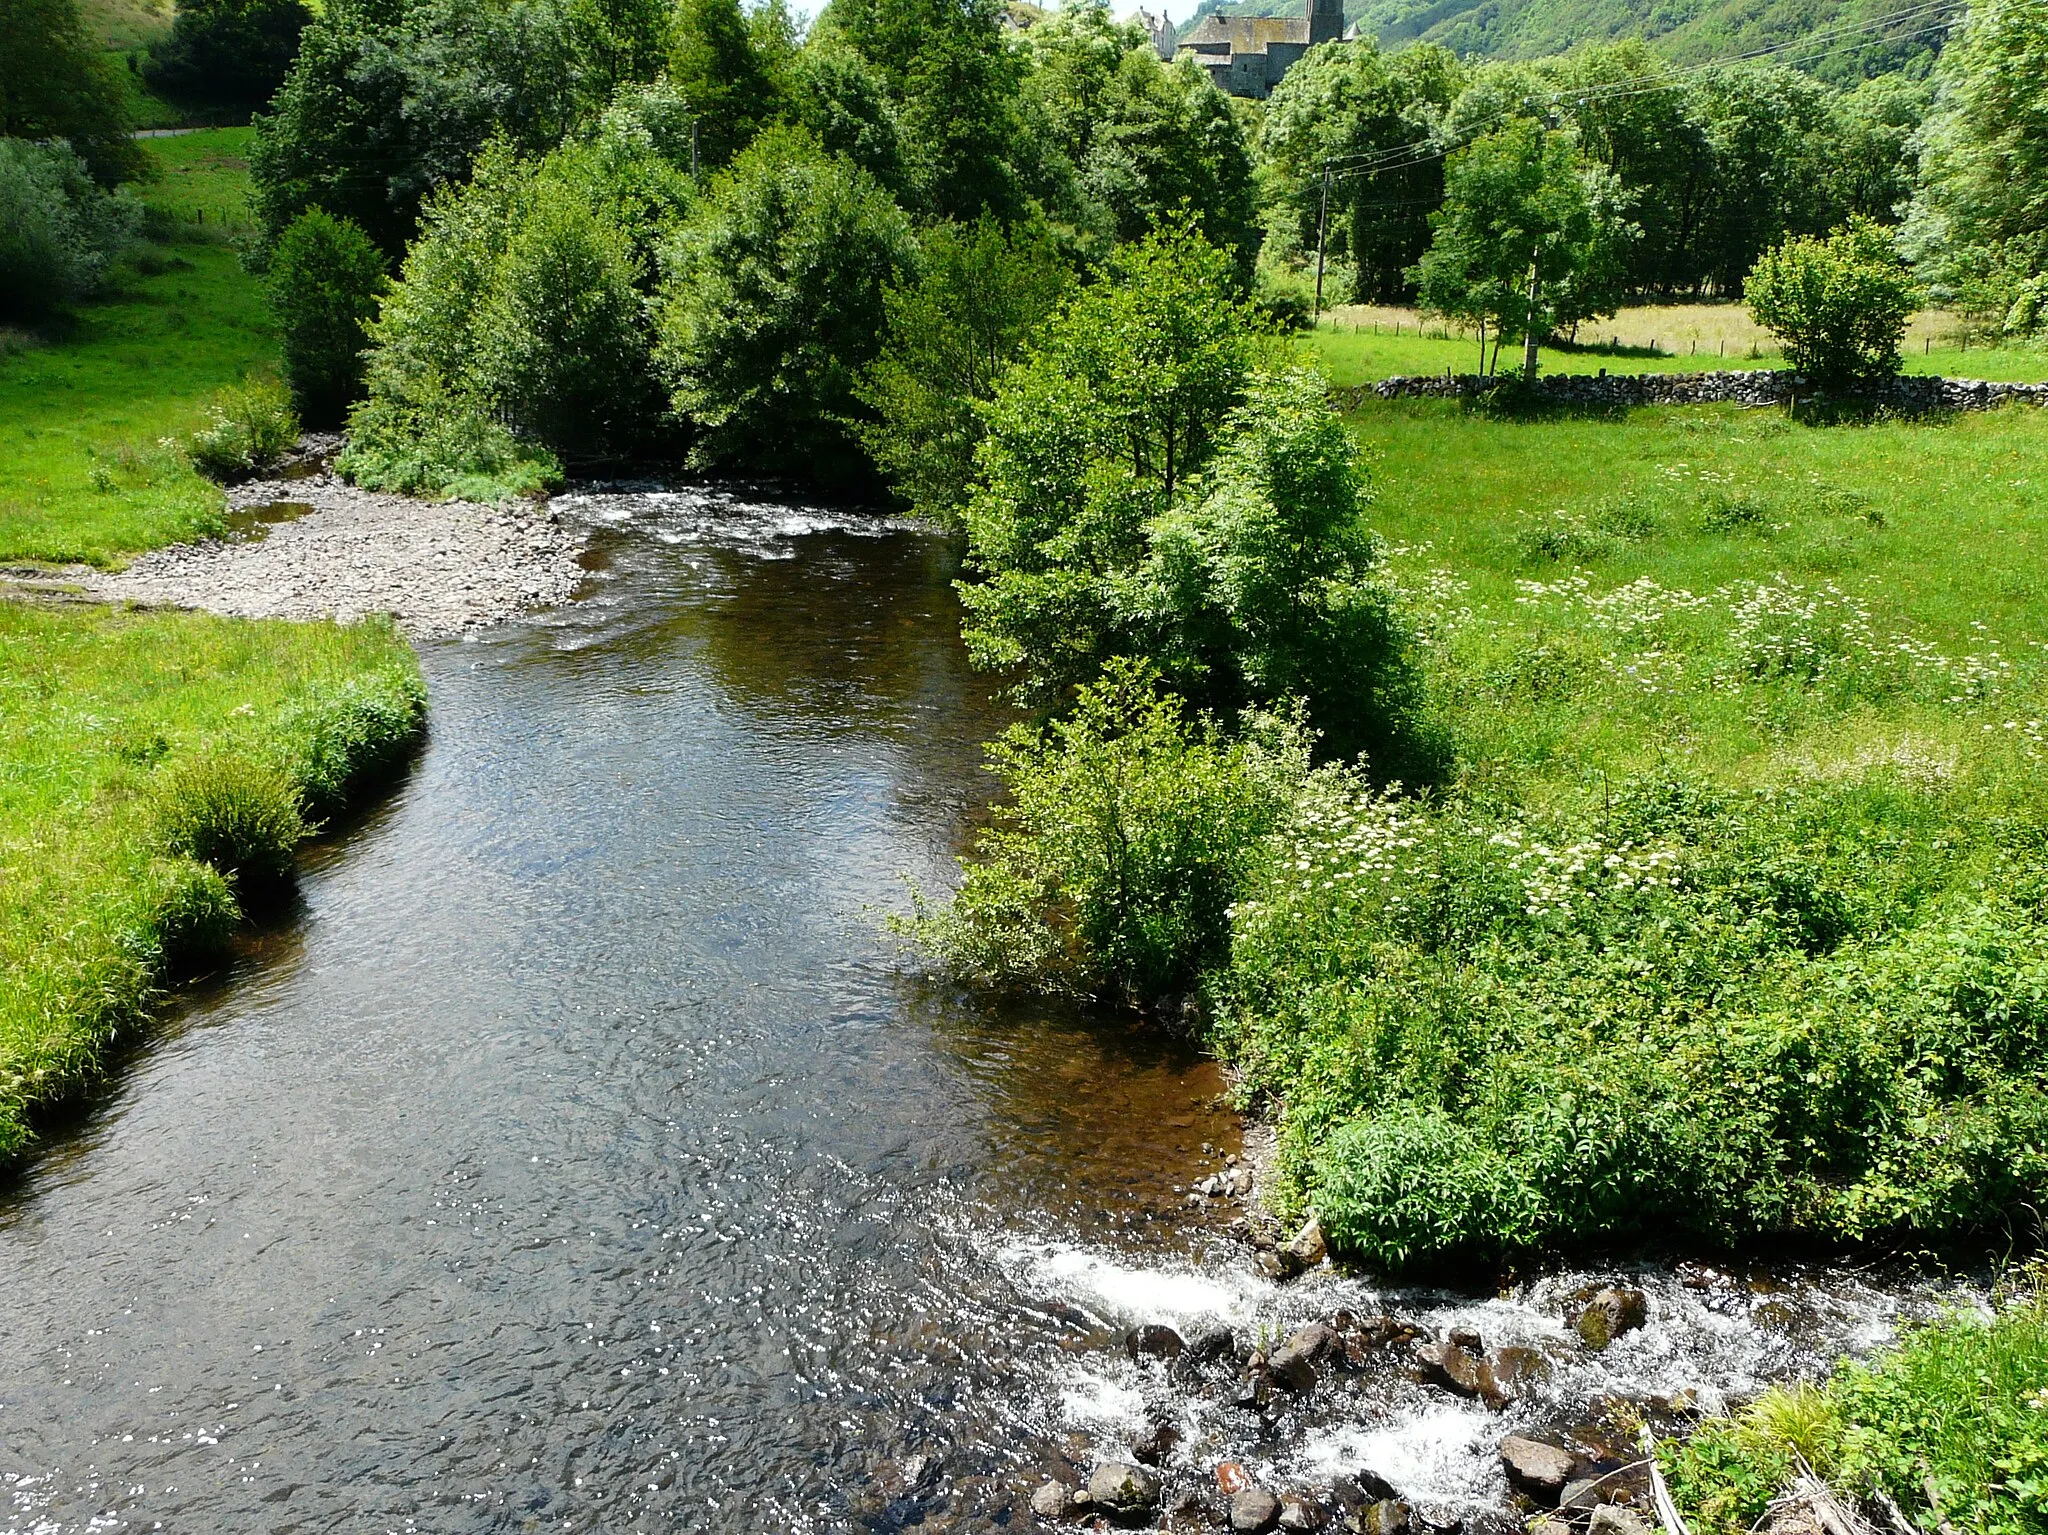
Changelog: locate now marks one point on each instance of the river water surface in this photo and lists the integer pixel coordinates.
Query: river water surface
(579, 1154)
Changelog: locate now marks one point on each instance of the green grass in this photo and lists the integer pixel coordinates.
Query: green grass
(83, 411)
(1951, 1424)
(104, 715)
(1365, 356)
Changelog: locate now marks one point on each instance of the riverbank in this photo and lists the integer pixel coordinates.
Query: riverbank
(153, 766)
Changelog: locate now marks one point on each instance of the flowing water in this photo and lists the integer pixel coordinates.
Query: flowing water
(579, 1154)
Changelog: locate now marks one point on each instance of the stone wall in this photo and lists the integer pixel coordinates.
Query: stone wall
(1756, 386)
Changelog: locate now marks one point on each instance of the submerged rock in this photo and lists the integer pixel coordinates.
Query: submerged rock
(1153, 1338)
(1299, 1511)
(1459, 1372)
(1156, 1442)
(1293, 1364)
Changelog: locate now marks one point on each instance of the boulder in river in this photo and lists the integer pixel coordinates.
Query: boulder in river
(1253, 1510)
(1359, 1491)
(1232, 1478)
(1307, 1249)
(1299, 1511)
(1613, 1519)
(1293, 1363)
(1535, 1468)
(1154, 1338)
(1609, 1312)
(1124, 1491)
(1051, 1500)
(1459, 1372)
(1155, 1442)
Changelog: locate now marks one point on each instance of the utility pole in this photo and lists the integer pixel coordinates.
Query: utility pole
(1322, 234)
(1529, 328)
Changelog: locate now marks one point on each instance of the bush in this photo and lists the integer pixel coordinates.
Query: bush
(1839, 305)
(1128, 834)
(58, 231)
(325, 277)
(234, 52)
(235, 812)
(250, 427)
(344, 738)
(438, 444)
(771, 306)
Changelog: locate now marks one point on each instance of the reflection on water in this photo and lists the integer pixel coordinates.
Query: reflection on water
(582, 1155)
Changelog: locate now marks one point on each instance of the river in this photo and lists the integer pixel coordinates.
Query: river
(579, 1154)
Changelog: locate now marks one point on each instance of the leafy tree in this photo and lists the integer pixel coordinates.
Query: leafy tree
(1349, 107)
(1529, 238)
(55, 84)
(844, 105)
(617, 42)
(325, 278)
(1771, 131)
(1978, 229)
(58, 229)
(952, 77)
(1839, 305)
(390, 99)
(714, 65)
(950, 333)
(230, 51)
(1871, 171)
(771, 305)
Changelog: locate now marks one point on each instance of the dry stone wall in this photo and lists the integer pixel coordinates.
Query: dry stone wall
(1756, 386)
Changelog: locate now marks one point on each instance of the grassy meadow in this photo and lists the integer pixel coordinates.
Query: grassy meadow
(1361, 344)
(156, 768)
(84, 407)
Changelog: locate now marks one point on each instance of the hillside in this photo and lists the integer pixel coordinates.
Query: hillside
(1688, 31)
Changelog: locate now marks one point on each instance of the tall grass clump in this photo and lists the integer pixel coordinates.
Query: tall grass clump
(249, 427)
(157, 775)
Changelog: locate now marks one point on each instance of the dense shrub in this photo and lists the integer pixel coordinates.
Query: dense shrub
(58, 82)
(1839, 305)
(325, 278)
(1128, 833)
(249, 427)
(237, 813)
(231, 52)
(771, 305)
(58, 230)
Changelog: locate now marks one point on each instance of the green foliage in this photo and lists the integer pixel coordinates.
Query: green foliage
(1529, 239)
(56, 83)
(237, 813)
(325, 278)
(1979, 230)
(1947, 1423)
(1125, 836)
(949, 334)
(1838, 305)
(234, 52)
(250, 426)
(771, 305)
(58, 230)
(725, 82)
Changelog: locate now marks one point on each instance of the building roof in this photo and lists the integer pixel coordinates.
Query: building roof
(1244, 34)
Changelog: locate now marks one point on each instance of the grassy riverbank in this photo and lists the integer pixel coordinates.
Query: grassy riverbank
(153, 766)
(156, 769)
(1949, 1425)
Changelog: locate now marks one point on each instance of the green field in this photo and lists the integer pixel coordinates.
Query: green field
(1353, 352)
(120, 732)
(84, 408)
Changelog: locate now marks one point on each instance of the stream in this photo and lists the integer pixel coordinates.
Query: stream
(578, 1153)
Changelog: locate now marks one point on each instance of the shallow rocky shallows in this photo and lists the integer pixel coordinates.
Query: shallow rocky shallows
(316, 547)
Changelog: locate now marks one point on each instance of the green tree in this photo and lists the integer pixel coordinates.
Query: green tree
(230, 51)
(1772, 134)
(846, 108)
(1978, 230)
(1872, 169)
(953, 78)
(1839, 305)
(1529, 239)
(59, 230)
(949, 334)
(1360, 113)
(55, 84)
(771, 306)
(714, 65)
(325, 279)
(617, 42)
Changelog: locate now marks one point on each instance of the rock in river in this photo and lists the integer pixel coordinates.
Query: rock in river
(1459, 1372)
(1153, 1338)
(1299, 1511)
(1253, 1510)
(1536, 1468)
(1124, 1491)
(1050, 1501)
(1609, 1312)
(1293, 1364)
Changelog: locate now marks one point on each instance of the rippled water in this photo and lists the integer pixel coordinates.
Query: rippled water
(579, 1154)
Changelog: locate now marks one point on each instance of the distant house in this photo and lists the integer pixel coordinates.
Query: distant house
(1247, 55)
(1160, 29)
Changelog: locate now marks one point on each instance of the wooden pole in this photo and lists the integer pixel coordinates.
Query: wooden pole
(1322, 234)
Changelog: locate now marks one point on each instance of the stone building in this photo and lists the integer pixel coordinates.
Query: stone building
(1247, 55)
